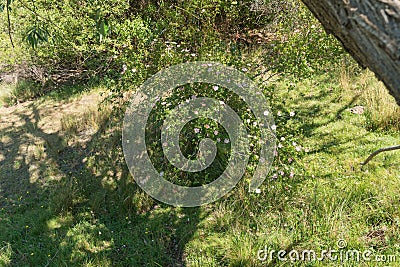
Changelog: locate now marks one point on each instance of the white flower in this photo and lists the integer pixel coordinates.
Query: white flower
(124, 68)
(292, 114)
(273, 127)
(226, 141)
(215, 87)
(196, 130)
(258, 191)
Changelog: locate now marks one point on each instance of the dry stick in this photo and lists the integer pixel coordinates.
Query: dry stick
(9, 22)
(378, 152)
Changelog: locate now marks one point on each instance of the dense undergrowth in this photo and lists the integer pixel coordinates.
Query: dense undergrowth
(84, 209)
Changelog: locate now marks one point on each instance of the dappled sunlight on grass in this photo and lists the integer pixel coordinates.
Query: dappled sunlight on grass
(67, 197)
(95, 215)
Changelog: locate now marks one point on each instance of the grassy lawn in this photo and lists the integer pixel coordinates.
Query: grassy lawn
(67, 199)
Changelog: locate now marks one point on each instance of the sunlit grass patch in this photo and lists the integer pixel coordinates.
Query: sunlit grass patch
(5, 90)
(5, 254)
(90, 119)
(379, 107)
(22, 91)
(382, 111)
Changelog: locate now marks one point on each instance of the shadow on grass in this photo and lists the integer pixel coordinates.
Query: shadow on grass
(83, 208)
(75, 204)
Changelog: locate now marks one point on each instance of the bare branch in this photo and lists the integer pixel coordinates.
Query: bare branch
(9, 22)
(378, 152)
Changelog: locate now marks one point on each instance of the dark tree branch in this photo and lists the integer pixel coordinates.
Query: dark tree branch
(378, 152)
(9, 22)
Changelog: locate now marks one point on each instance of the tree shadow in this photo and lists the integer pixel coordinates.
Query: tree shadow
(74, 210)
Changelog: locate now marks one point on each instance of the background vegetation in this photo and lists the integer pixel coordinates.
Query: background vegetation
(66, 197)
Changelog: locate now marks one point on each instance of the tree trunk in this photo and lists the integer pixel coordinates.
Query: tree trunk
(369, 30)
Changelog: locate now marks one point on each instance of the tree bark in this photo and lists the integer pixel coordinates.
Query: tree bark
(369, 30)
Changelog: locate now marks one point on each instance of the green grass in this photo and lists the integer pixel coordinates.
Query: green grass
(4, 93)
(67, 198)
(73, 203)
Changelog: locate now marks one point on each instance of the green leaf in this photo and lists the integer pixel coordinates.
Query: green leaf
(103, 29)
(36, 35)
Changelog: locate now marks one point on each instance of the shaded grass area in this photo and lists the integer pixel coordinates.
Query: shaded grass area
(67, 198)
(71, 214)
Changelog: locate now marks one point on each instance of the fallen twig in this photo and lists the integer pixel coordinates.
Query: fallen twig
(378, 152)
